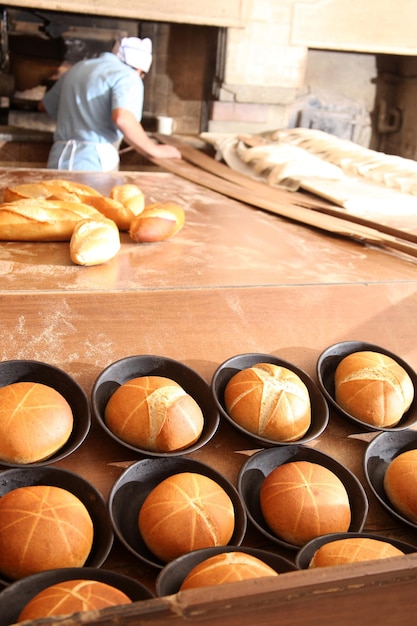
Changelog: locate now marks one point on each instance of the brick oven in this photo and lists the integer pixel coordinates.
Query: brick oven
(346, 66)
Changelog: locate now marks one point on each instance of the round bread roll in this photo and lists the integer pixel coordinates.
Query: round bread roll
(400, 484)
(352, 550)
(373, 388)
(35, 422)
(185, 512)
(154, 413)
(157, 222)
(72, 596)
(301, 500)
(42, 527)
(270, 401)
(227, 567)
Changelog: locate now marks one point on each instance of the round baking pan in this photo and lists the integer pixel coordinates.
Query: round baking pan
(15, 597)
(171, 577)
(134, 485)
(378, 455)
(230, 367)
(261, 464)
(131, 367)
(94, 502)
(326, 367)
(38, 372)
(306, 553)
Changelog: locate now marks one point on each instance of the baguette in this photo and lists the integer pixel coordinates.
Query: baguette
(157, 222)
(46, 189)
(94, 241)
(42, 220)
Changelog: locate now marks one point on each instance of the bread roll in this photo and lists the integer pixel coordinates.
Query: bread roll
(42, 527)
(94, 241)
(301, 500)
(42, 220)
(72, 596)
(227, 567)
(154, 413)
(113, 210)
(130, 196)
(400, 484)
(373, 388)
(35, 422)
(157, 222)
(185, 512)
(269, 401)
(353, 550)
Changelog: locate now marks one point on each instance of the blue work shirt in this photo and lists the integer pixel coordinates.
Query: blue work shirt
(82, 101)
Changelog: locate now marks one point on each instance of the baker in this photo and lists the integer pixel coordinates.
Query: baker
(96, 104)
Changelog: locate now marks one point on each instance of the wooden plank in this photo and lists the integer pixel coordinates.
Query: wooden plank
(299, 199)
(333, 224)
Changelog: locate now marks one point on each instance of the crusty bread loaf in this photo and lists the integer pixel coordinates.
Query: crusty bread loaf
(301, 500)
(270, 401)
(157, 222)
(154, 413)
(185, 512)
(45, 189)
(112, 209)
(72, 596)
(94, 241)
(353, 550)
(373, 388)
(400, 484)
(35, 422)
(226, 567)
(130, 196)
(42, 220)
(42, 527)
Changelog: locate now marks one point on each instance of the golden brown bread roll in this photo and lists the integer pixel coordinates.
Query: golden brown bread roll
(42, 220)
(373, 388)
(157, 222)
(185, 512)
(270, 401)
(154, 413)
(353, 550)
(130, 196)
(301, 500)
(400, 484)
(35, 422)
(42, 527)
(72, 596)
(227, 567)
(94, 241)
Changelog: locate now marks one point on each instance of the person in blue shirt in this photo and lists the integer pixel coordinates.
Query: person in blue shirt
(97, 103)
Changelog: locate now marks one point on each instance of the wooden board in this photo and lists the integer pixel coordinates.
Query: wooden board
(331, 219)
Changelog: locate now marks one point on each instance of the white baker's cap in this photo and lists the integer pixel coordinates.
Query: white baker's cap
(136, 52)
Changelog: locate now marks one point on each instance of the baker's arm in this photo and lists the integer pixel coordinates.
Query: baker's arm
(135, 136)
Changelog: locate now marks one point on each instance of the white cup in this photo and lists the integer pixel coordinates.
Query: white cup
(165, 125)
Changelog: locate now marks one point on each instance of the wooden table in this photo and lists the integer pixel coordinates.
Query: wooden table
(234, 280)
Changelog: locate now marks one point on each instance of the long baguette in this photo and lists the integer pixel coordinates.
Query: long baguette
(42, 220)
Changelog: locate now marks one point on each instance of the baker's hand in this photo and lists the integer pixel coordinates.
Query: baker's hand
(164, 151)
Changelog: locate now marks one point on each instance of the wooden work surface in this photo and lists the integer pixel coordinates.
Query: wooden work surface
(234, 280)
